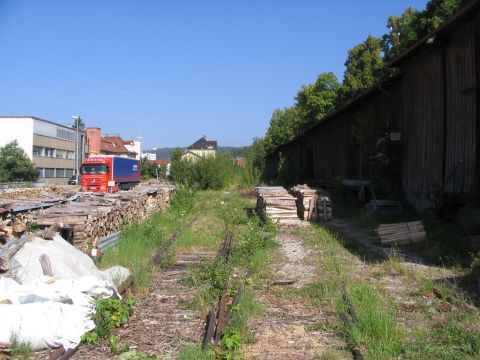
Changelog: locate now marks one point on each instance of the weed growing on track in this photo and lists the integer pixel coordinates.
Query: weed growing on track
(373, 326)
(249, 253)
(109, 314)
(140, 240)
(193, 352)
(19, 350)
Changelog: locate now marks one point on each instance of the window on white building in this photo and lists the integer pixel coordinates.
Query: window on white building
(65, 134)
(49, 152)
(60, 154)
(37, 150)
(49, 173)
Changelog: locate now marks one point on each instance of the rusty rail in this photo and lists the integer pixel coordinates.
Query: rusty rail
(217, 318)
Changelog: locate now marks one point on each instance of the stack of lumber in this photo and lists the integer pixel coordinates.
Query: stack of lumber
(277, 204)
(401, 233)
(312, 203)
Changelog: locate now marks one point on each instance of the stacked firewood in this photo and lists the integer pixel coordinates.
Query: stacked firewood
(278, 205)
(401, 233)
(92, 216)
(312, 203)
(31, 193)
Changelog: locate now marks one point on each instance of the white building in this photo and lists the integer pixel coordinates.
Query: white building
(149, 156)
(49, 145)
(135, 146)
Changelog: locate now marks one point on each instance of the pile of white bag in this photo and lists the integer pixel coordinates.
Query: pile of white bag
(46, 311)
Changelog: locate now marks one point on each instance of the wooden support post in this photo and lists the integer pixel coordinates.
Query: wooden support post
(46, 265)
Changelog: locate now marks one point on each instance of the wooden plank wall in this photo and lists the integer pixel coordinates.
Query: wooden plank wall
(460, 87)
(332, 146)
(422, 124)
(435, 106)
(335, 151)
(477, 62)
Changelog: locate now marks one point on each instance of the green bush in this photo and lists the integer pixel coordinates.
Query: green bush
(213, 173)
(109, 314)
(149, 170)
(15, 165)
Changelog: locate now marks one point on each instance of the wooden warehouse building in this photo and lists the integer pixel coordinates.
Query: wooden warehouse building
(433, 105)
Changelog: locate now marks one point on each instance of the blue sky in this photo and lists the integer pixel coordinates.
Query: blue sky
(171, 71)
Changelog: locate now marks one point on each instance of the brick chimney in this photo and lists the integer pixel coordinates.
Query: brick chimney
(94, 140)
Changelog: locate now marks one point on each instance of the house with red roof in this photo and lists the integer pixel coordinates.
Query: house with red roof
(111, 145)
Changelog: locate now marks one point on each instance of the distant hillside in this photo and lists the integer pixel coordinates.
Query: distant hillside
(165, 153)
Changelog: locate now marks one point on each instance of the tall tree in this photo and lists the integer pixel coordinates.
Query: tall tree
(403, 32)
(284, 125)
(364, 67)
(407, 28)
(15, 165)
(78, 122)
(436, 12)
(316, 100)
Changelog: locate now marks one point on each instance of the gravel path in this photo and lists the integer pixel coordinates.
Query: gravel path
(290, 328)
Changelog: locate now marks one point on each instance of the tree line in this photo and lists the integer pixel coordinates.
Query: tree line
(364, 67)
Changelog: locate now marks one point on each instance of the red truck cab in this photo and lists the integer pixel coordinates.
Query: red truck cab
(109, 173)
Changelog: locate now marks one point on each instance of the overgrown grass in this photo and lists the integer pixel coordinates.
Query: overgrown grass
(194, 352)
(19, 350)
(139, 241)
(372, 325)
(246, 307)
(444, 325)
(250, 253)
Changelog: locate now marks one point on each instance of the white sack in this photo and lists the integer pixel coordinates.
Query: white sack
(67, 262)
(53, 311)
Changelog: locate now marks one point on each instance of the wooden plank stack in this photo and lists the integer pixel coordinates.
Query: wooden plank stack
(401, 233)
(312, 203)
(277, 204)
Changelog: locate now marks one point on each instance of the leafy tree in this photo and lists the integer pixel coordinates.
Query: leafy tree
(407, 28)
(176, 155)
(403, 32)
(149, 170)
(78, 122)
(255, 154)
(364, 67)
(284, 125)
(316, 100)
(436, 12)
(15, 165)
